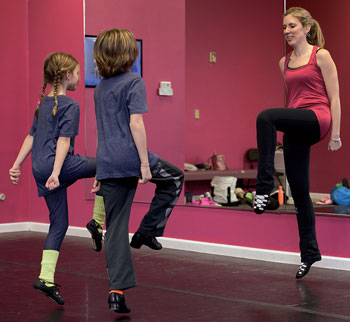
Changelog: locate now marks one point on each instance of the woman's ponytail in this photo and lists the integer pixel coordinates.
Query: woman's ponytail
(315, 36)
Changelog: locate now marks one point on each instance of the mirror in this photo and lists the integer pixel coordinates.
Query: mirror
(215, 105)
(228, 122)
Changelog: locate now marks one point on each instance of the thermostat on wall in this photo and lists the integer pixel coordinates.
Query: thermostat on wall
(165, 89)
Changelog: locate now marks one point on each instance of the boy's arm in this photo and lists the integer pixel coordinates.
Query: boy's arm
(62, 147)
(15, 171)
(138, 132)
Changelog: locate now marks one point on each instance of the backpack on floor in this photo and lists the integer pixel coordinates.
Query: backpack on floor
(340, 195)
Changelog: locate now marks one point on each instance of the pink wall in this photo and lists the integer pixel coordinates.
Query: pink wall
(14, 106)
(162, 29)
(328, 168)
(164, 39)
(34, 34)
(53, 27)
(245, 79)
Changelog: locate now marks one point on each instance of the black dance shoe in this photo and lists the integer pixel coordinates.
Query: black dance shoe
(93, 227)
(260, 203)
(304, 269)
(51, 291)
(139, 239)
(117, 303)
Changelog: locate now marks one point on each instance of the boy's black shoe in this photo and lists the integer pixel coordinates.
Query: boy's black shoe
(92, 226)
(117, 303)
(51, 291)
(139, 239)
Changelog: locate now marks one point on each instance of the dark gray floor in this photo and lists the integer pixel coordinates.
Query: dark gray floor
(173, 286)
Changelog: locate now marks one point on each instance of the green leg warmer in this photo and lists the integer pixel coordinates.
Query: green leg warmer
(99, 214)
(48, 266)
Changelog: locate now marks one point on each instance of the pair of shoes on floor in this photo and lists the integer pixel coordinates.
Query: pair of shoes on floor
(260, 203)
(51, 291)
(304, 268)
(117, 303)
(94, 229)
(139, 239)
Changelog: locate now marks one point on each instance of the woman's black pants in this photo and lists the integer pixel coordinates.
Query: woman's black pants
(301, 130)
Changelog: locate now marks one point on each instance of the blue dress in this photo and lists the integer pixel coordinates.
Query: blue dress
(46, 130)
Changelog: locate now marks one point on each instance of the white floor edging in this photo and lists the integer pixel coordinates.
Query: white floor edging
(201, 247)
(13, 227)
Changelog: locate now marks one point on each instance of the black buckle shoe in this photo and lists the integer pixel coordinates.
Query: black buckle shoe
(93, 226)
(139, 239)
(117, 303)
(51, 291)
(304, 268)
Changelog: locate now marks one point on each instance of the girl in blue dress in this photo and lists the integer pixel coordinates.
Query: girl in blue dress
(54, 164)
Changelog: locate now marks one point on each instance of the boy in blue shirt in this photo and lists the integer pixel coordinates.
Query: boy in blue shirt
(123, 161)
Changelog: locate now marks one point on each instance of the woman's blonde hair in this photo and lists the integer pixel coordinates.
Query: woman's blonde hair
(315, 35)
(115, 52)
(55, 66)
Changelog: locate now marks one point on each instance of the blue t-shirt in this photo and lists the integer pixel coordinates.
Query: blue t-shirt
(115, 99)
(46, 130)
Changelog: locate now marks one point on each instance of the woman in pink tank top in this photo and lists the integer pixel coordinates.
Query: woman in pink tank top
(313, 109)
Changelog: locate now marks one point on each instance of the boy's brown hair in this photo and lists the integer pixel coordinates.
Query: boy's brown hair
(115, 52)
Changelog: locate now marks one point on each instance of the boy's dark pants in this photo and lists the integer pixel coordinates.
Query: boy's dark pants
(118, 196)
(169, 181)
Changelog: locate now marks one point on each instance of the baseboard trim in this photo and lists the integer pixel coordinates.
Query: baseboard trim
(252, 253)
(14, 227)
(200, 247)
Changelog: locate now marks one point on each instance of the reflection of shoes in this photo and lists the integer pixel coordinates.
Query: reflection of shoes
(304, 269)
(139, 239)
(308, 299)
(93, 227)
(117, 303)
(55, 315)
(50, 291)
(260, 203)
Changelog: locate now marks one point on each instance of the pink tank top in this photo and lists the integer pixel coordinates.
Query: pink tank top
(306, 89)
